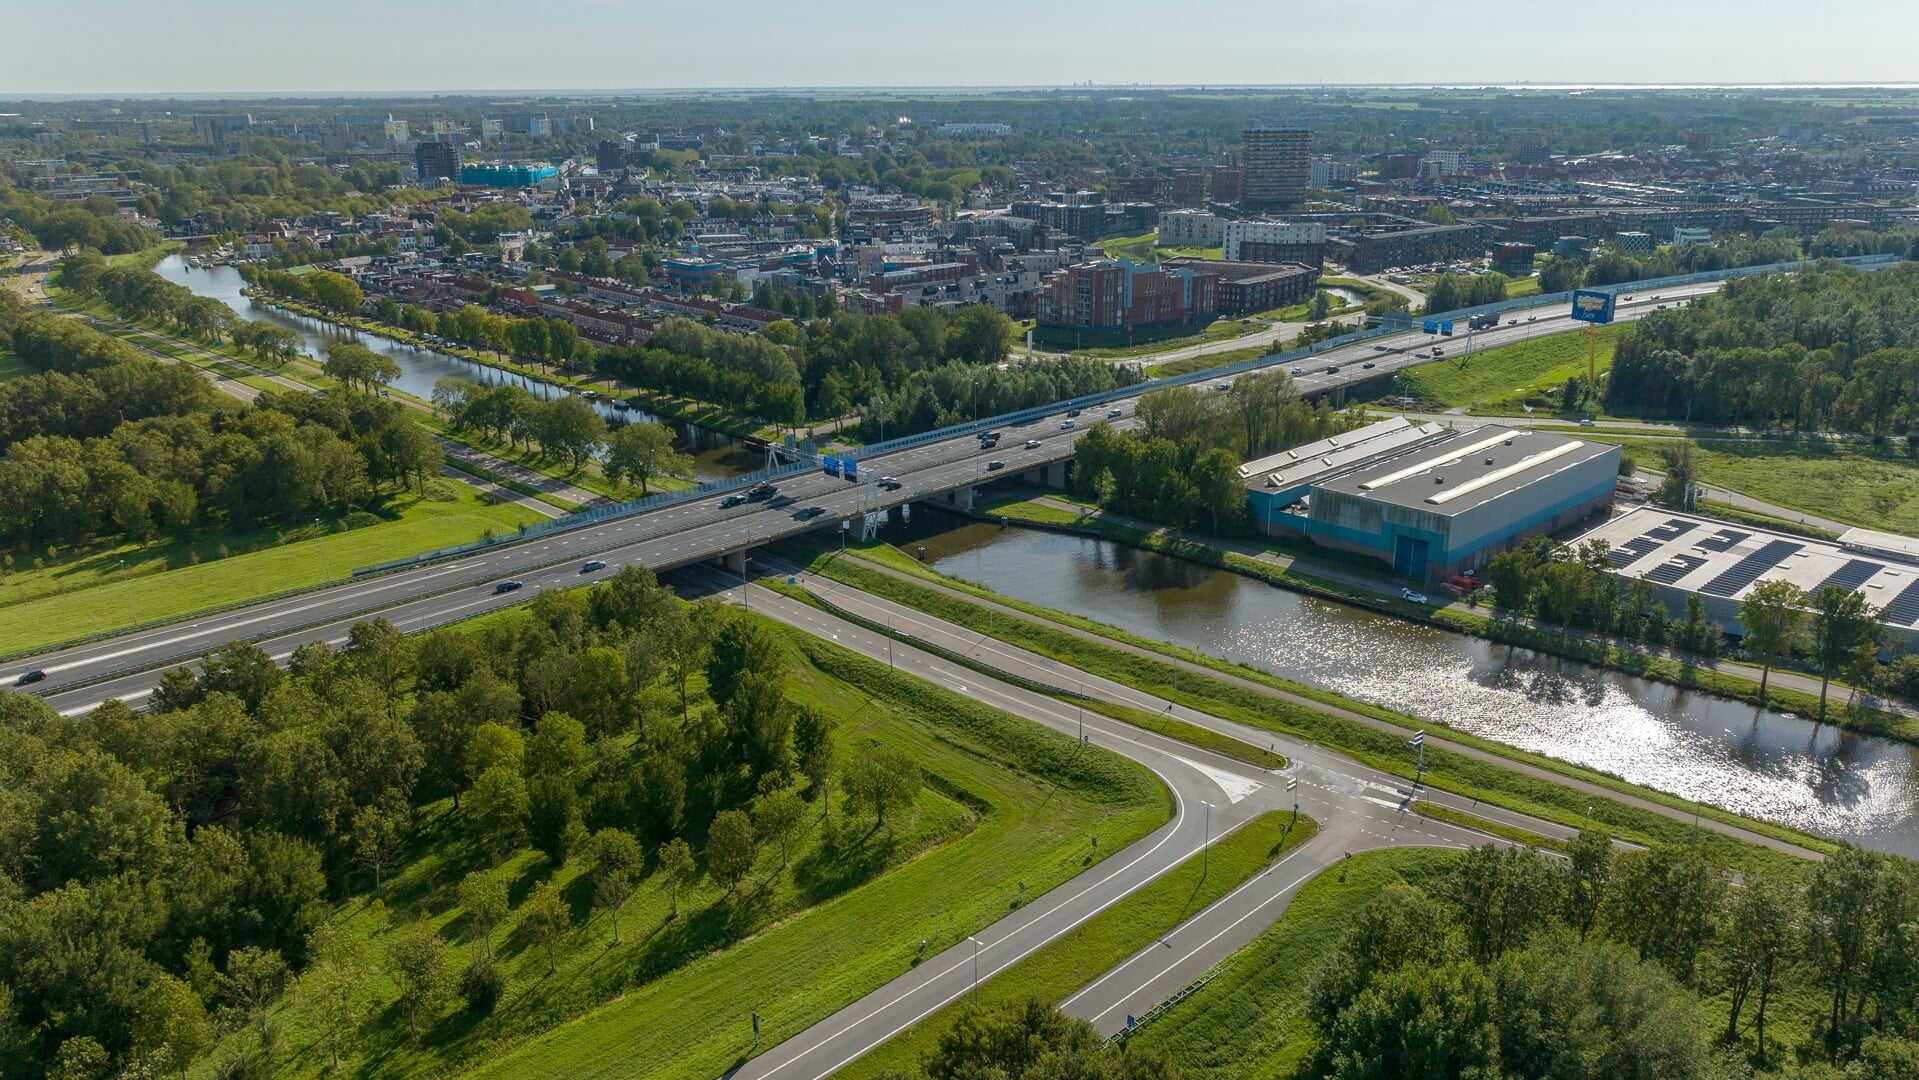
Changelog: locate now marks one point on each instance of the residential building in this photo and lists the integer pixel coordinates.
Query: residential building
(506, 174)
(1119, 296)
(1684, 237)
(1190, 228)
(1329, 173)
(1248, 287)
(1274, 241)
(1407, 243)
(1225, 184)
(1633, 243)
(438, 159)
(1515, 260)
(1276, 164)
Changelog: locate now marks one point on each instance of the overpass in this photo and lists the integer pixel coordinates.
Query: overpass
(679, 528)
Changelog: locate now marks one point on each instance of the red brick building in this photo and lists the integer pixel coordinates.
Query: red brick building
(1116, 297)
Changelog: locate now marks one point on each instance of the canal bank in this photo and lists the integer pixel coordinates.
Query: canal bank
(716, 455)
(1764, 764)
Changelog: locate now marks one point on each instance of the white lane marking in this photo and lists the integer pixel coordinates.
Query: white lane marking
(1235, 787)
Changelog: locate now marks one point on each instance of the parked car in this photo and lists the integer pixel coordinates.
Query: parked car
(30, 677)
(509, 585)
(1032, 444)
(1413, 597)
(591, 565)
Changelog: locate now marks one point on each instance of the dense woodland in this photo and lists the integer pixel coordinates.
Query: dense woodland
(1829, 349)
(106, 440)
(166, 875)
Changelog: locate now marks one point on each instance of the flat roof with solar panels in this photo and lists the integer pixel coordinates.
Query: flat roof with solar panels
(1721, 562)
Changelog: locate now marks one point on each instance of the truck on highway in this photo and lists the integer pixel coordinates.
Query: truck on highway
(1483, 322)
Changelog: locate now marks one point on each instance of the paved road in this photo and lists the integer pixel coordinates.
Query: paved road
(1358, 808)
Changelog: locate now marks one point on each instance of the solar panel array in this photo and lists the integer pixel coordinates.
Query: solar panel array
(1632, 551)
(1855, 573)
(1674, 568)
(1747, 570)
(1673, 529)
(1904, 609)
(1724, 540)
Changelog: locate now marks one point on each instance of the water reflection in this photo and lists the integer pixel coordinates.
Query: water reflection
(1764, 763)
(716, 455)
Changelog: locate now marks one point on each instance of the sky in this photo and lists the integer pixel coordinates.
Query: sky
(266, 47)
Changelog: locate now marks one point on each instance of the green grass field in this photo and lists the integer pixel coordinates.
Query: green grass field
(1008, 802)
(1101, 943)
(91, 593)
(1250, 1022)
(1498, 380)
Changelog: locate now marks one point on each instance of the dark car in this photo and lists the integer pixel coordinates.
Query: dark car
(812, 512)
(1114, 414)
(734, 499)
(31, 677)
(591, 565)
(762, 491)
(1072, 412)
(508, 585)
(991, 465)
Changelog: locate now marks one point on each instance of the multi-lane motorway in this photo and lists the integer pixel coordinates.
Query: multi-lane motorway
(127, 666)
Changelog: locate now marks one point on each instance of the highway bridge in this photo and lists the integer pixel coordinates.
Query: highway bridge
(675, 530)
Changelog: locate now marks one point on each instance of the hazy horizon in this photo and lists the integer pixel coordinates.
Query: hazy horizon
(225, 48)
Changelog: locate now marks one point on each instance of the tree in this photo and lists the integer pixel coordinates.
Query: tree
(1773, 616)
(1676, 490)
(1502, 897)
(1589, 860)
(731, 848)
(1029, 1039)
(252, 980)
(813, 746)
(1665, 904)
(879, 778)
(642, 452)
(1842, 622)
(499, 805)
(778, 814)
(377, 841)
(335, 983)
(483, 896)
(417, 959)
(1762, 935)
(616, 861)
(568, 427)
(358, 366)
(676, 869)
(1426, 1022)
(170, 1028)
(546, 920)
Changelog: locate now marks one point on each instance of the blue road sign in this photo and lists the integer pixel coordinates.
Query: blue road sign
(1446, 328)
(1591, 306)
(831, 465)
(1431, 326)
(850, 468)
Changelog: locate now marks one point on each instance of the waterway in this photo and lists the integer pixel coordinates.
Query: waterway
(716, 455)
(1767, 764)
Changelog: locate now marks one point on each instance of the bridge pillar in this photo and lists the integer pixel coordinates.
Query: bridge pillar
(961, 498)
(735, 562)
(1056, 475)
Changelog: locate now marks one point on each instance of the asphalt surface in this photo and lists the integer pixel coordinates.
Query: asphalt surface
(669, 537)
(1357, 809)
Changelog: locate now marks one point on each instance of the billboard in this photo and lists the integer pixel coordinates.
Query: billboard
(1590, 306)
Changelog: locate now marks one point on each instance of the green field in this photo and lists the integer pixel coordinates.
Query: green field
(1007, 802)
(73, 597)
(1250, 1022)
(1848, 482)
(1500, 379)
(1106, 940)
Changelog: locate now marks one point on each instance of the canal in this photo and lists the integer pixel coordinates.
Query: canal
(716, 455)
(1767, 764)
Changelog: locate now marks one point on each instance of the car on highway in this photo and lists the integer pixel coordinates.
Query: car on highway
(994, 465)
(1655, 296)
(1626, 297)
(1072, 412)
(1512, 322)
(1332, 369)
(762, 490)
(1367, 364)
(734, 499)
(887, 481)
(810, 512)
(1066, 425)
(1382, 348)
(591, 565)
(1032, 444)
(1587, 422)
(1295, 371)
(1531, 318)
(509, 585)
(1659, 307)
(28, 678)
(890, 484)
(1222, 387)
(1114, 414)
(1413, 597)
(1437, 351)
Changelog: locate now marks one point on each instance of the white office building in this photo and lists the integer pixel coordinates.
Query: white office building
(1236, 233)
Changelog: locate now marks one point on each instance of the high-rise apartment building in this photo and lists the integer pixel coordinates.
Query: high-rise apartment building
(1276, 164)
(437, 159)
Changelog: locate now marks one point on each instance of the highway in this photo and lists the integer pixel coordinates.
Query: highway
(126, 666)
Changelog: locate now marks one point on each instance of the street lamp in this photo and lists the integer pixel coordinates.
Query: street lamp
(131, 619)
(326, 560)
(975, 942)
(1206, 848)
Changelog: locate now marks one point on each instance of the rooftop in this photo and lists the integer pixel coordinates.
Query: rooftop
(1716, 559)
(1330, 456)
(1471, 468)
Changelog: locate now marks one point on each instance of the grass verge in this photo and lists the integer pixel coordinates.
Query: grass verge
(1467, 820)
(1107, 939)
(1249, 1023)
(1501, 379)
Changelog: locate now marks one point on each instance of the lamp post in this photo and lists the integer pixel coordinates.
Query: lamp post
(131, 619)
(975, 942)
(1206, 848)
(326, 560)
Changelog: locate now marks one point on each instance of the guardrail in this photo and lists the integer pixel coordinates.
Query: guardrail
(1092, 401)
(1133, 1024)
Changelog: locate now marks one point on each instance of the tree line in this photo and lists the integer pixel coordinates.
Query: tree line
(1826, 349)
(1609, 963)
(168, 874)
(640, 452)
(1180, 465)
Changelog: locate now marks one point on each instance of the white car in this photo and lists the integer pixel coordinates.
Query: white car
(1413, 597)
(1066, 425)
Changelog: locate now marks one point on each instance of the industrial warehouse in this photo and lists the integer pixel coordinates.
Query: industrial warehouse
(1681, 555)
(1428, 500)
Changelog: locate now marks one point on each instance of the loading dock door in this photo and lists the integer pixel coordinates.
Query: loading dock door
(1409, 557)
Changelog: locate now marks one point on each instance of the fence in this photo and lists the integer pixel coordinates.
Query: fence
(1090, 401)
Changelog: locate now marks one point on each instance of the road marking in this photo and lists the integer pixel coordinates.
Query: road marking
(1236, 787)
